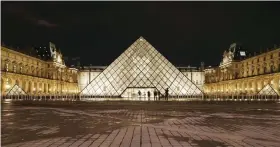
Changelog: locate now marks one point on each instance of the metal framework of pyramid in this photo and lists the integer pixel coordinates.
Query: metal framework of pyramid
(268, 90)
(16, 90)
(139, 66)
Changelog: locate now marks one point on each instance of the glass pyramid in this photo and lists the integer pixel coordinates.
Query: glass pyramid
(141, 65)
(267, 90)
(16, 90)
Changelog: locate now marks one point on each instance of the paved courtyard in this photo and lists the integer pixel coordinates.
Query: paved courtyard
(135, 124)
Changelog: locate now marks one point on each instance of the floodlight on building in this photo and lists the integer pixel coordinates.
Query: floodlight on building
(7, 86)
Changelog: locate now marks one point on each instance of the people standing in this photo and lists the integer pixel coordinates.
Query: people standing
(139, 93)
(166, 94)
(155, 94)
(158, 94)
(149, 94)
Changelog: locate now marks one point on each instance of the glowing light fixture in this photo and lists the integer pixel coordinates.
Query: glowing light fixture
(7, 86)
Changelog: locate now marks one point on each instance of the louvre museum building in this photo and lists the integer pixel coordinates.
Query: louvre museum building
(140, 71)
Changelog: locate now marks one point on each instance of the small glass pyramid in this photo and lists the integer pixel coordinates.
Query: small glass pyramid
(16, 90)
(140, 66)
(267, 90)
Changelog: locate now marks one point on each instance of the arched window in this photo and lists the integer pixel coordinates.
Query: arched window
(264, 69)
(271, 68)
(7, 67)
(27, 70)
(236, 75)
(15, 68)
(17, 82)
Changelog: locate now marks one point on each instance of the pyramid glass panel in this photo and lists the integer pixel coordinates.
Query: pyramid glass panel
(268, 90)
(140, 66)
(16, 90)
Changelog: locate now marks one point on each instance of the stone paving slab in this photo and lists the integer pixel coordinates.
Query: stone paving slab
(138, 128)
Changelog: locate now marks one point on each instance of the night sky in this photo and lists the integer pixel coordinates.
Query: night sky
(187, 33)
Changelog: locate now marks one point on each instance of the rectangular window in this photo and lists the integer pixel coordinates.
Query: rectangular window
(7, 67)
(15, 69)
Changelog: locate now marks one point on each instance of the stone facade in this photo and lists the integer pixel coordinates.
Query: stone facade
(87, 74)
(237, 73)
(196, 75)
(37, 76)
(246, 75)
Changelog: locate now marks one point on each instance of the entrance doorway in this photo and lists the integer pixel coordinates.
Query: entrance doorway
(139, 93)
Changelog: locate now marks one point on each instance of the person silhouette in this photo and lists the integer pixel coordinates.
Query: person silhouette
(139, 93)
(158, 94)
(149, 94)
(166, 94)
(155, 95)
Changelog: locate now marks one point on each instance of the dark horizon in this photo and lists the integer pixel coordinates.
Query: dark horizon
(186, 33)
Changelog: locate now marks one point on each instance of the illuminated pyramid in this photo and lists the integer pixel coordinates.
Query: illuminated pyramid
(267, 90)
(141, 65)
(16, 90)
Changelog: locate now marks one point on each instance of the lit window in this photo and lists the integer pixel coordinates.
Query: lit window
(7, 67)
(15, 68)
